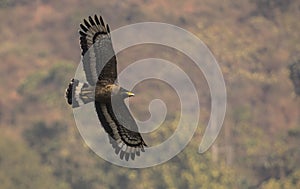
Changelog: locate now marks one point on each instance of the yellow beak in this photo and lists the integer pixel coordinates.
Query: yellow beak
(130, 94)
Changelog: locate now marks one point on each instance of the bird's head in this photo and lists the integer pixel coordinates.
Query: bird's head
(121, 92)
(125, 93)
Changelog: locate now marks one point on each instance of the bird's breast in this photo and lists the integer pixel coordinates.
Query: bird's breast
(103, 93)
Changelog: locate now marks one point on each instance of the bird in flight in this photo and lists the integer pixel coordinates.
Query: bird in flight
(101, 88)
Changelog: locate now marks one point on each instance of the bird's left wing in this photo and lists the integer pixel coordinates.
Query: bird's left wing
(98, 56)
(121, 127)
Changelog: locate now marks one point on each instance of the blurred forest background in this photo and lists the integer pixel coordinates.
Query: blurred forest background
(254, 41)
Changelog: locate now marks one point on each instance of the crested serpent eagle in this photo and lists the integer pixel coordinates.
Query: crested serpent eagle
(100, 68)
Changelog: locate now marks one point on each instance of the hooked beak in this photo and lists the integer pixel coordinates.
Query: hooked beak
(130, 94)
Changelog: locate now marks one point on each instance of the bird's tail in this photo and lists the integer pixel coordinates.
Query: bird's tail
(79, 93)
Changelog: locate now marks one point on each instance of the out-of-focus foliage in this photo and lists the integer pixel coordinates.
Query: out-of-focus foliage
(21, 167)
(13, 3)
(292, 181)
(253, 41)
(46, 86)
(268, 8)
(295, 76)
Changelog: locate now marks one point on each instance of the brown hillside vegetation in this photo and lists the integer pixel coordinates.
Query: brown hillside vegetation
(253, 41)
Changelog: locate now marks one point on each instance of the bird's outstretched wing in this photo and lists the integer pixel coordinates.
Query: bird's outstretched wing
(121, 127)
(98, 56)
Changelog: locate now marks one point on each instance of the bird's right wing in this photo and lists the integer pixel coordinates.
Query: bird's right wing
(98, 56)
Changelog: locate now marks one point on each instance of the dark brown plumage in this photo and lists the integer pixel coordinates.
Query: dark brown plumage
(100, 67)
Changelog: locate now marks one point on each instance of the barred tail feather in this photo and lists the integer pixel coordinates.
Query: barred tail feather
(79, 93)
